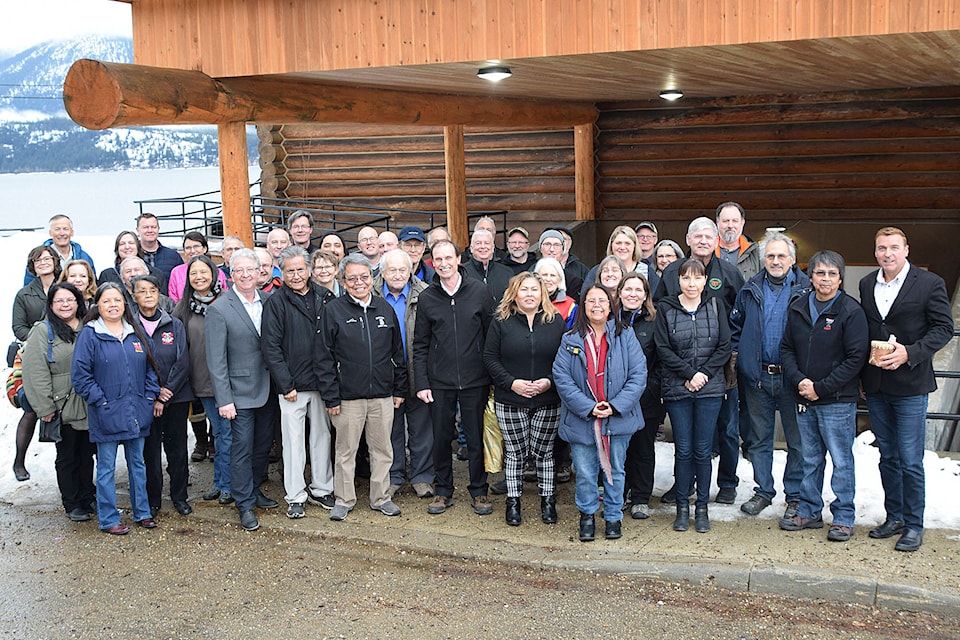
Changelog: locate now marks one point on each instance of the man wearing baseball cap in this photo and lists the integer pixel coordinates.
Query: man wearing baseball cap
(647, 237)
(518, 257)
(414, 242)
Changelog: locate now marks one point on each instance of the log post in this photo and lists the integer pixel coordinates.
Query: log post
(234, 181)
(456, 181)
(585, 179)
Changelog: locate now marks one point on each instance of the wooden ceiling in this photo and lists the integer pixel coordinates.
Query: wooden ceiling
(796, 67)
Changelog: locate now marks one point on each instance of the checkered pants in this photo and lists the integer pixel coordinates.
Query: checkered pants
(528, 432)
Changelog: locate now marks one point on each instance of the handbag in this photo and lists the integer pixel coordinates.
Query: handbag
(50, 431)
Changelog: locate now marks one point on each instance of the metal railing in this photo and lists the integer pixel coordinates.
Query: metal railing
(203, 212)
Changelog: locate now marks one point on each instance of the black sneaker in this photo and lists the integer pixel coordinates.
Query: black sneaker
(726, 495)
(326, 501)
(755, 505)
(295, 510)
(499, 488)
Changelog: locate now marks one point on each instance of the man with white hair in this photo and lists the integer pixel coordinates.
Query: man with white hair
(130, 268)
(61, 234)
(412, 428)
(482, 265)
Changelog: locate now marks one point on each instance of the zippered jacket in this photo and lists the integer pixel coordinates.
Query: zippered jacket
(290, 338)
(831, 351)
(515, 351)
(690, 344)
(625, 378)
(362, 352)
(449, 335)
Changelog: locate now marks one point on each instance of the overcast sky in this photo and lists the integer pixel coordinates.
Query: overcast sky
(28, 23)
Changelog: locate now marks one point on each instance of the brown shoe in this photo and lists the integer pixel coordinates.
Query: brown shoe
(482, 506)
(439, 505)
(199, 452)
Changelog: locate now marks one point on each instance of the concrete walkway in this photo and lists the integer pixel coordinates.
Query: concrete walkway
(740, 554)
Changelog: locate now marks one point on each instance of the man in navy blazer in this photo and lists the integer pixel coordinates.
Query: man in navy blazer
(909, 308)
(241, 383)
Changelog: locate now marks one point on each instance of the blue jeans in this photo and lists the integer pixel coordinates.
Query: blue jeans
(586, 462)
(728, 440)
(223, 441)
(899, 423)
(828, 428)
(694, 422)
(107, 512)
(766, 398)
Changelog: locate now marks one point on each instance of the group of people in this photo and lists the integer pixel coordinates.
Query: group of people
(387, 352)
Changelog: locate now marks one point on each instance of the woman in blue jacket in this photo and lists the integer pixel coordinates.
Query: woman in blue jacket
(114, 371)
(172, 405)
(600, 373)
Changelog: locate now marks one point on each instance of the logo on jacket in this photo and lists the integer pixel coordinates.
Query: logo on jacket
(381, 322)
(829, 325)
(137, 346)
(715, 283)
(166, 337)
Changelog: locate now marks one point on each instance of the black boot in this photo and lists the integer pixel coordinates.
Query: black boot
(588, 528)
(512, 512)
(682, 523)
(701, 519)
(612, 530)
(548, 509)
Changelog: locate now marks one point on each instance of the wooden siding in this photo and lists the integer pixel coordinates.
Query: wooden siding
(815, 164)
(230, 38)
(529, 173)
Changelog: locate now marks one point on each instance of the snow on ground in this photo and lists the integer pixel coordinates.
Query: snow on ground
(942, 474)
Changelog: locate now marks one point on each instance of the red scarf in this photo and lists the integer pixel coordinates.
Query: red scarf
(596, 369)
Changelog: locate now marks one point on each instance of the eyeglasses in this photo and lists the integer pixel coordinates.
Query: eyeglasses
(323, 267)
(43, 258)
(65, 301)
(646, 236)
(355, 279)
(820, 273)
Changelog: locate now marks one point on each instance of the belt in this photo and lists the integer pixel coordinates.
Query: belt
(772, 369)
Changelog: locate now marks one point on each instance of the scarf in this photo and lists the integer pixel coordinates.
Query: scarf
(596, 365)
(199, 304)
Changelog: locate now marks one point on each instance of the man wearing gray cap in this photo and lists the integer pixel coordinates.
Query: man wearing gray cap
(647, 237)
(518, 258)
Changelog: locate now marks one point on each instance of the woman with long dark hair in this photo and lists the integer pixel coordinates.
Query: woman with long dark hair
(115, 372)
(194, 244)
(521, 345)
(28, 308)
(600, 373)
(200, 290)
(47, 360)
(637, 313)
(693, 342)
(126, 245)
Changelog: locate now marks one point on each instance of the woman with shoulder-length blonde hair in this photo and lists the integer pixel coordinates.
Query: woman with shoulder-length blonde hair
(519, 351)
(80, 274)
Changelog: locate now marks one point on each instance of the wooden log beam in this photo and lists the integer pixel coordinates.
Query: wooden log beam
(234, 188)
(100, 95)
(456, 184)
(585, 171)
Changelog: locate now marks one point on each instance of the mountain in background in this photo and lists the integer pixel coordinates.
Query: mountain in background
(37, 135)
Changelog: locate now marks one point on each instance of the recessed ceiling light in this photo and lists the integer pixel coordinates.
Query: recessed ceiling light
(494, 74)
(671, 94)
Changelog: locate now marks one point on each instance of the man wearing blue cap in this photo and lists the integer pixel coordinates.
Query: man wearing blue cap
(413, 243)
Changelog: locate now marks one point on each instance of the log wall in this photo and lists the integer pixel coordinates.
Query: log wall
(832, 168)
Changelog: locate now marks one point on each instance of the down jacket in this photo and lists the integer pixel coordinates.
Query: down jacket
(113, 376)
(688, 344)
(625, 378)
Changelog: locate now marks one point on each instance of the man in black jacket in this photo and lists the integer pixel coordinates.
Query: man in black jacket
(451, 326)
(723, 282)
(824, 348)
(288, 340)
(362, 380)
(484, 267)
(908, 308)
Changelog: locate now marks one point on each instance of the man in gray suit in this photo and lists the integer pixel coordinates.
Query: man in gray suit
(241, 383)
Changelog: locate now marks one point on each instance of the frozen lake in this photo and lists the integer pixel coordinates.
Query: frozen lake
(98, 202)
